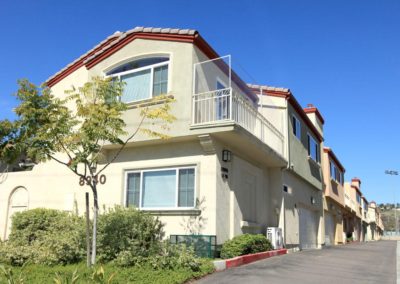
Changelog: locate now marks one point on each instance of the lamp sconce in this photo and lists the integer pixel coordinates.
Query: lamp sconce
(226, 155)
(313, 201)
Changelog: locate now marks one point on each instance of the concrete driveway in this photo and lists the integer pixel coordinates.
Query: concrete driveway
(372, 262)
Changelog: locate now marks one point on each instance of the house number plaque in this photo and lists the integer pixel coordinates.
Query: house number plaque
(88, 179)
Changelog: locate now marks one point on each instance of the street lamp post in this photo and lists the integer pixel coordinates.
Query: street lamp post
(394, 173)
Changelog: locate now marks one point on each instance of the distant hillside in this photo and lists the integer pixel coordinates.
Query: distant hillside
(388, 216)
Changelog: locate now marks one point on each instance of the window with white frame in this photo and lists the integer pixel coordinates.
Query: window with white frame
(313, 149)
(161, 188)
(296, 127)
(143, 78)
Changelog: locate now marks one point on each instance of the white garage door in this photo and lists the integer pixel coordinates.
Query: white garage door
(329, 229)
(308, 223)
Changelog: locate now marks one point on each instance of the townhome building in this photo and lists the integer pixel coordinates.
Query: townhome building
(242, 157)
(224, 161)
(375, 228)
(334, 201)
(301, 192)
(364, 219)
(353, 214)
(379, 223)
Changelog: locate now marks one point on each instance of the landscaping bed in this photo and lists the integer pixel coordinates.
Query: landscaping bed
(146, 274)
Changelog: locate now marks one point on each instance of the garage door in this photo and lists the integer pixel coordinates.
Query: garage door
(308, 223)
(329, 229)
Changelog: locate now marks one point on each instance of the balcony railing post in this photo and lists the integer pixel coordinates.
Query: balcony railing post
(230, 103)
(194, 111)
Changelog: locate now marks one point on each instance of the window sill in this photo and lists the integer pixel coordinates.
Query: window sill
(173, 212)
(313, 161)
(249, 224)
(149, 102)
(335, 181)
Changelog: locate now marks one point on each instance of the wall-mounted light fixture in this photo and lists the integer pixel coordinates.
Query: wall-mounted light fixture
(226, 155)
(313, 200)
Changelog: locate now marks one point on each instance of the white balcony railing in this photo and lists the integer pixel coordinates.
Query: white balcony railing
(221, 106)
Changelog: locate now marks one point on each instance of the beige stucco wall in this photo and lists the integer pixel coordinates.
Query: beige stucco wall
(299, 160)
(336, 211)
(249, 200)
(299, 195)
(51, 185)
(180, 74)
(316, 122)
(333, 198)
(274, 109)
(333, 189)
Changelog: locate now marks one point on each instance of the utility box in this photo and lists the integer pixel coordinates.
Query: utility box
(274, 235)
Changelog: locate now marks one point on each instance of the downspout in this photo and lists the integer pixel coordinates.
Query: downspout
(286, 169)
(288, 134)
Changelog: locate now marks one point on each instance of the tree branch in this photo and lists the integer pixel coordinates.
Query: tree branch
(62, 146)
(123, 145)
(65, 164)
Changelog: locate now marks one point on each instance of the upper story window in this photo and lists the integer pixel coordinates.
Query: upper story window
(296, 127)
(313, 149)
(144, 78)
(358, 196)
(332, 169)
(336, 174)
(168, 188)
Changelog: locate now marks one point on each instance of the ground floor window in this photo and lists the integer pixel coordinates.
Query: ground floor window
(161, 188)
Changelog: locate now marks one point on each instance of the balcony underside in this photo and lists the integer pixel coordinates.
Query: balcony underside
(243, 143)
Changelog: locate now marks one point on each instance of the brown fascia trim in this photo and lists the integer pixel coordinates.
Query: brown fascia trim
(131, 37)
(334, 158)
(316, 111)
(292, 100)
(91, 59)
(78, 63)
(195, 39)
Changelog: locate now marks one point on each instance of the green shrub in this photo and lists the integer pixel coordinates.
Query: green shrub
(168, 256)
(127, 231)
(44, 236)
(175, 256)
(245, 244)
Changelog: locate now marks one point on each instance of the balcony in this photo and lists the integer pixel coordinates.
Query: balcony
(228, 106)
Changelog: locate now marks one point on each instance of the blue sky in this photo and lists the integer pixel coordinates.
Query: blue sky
(342, 56)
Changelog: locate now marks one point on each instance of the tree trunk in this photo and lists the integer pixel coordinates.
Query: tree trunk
(95, 214)
(88, 253)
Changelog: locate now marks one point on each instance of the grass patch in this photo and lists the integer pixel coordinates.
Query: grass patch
(145, 274)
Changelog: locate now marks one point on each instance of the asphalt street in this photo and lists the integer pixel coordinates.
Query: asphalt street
(372, 262)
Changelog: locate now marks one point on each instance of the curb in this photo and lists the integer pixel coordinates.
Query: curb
(245, 259)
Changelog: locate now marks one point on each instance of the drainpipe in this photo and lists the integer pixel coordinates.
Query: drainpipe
(286, 169)
(287, 137)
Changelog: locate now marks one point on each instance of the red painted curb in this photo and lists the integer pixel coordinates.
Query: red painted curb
(248, 258)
